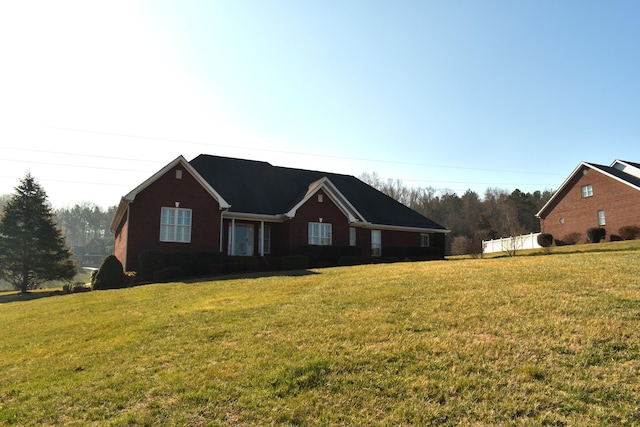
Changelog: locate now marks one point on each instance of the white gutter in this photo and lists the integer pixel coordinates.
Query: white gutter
(369, 225)
(126, 247)
(254, 217)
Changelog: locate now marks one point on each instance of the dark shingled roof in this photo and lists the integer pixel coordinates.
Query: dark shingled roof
(633, 180)
(260, 188)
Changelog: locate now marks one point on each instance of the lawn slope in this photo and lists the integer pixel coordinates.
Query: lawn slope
(546, 340)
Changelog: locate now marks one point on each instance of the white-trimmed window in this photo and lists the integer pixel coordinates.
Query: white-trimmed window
(267, 239)
(424, 240)
(175, 225)
(587, 190)
(601, 218)
(376, 243)
(319, 233)
(352, 236)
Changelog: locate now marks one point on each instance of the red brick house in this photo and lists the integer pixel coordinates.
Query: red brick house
(244, 207)
(594, 196)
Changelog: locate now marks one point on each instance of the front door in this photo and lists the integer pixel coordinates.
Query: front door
(241, 242)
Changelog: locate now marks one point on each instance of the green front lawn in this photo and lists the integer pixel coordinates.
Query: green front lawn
(544, 340)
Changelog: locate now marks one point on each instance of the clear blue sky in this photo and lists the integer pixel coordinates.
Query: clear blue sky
(97, 96)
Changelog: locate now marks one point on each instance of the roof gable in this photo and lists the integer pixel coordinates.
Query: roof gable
(625, 172)
(336, 196)
(180, 160)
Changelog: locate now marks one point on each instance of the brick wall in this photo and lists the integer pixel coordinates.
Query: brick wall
(571, 213)
(145, 211)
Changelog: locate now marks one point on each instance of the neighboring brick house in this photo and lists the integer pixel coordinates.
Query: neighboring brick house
(96, 251)
(93, 253)
(244, 207)
(594, 196)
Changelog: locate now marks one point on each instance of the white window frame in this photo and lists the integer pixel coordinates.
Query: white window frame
(352, 236)
(425, 240)
(320, 233)
(376, 243)
(266, 239)
(175, 225)
(601, 218)
(587, 191)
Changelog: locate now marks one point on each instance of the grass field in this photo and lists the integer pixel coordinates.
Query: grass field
(530, 340)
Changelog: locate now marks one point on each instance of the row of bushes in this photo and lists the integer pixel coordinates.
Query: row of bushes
(164, 266)
(594, 235)
(326, 256)
(157, 266)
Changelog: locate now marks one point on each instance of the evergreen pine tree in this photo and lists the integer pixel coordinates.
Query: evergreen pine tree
(32, 249)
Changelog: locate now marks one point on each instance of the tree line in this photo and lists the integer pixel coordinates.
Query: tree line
(79, 223)
(470, 218)
(84, 221)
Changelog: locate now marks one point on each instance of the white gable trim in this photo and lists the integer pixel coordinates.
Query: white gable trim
(334, 194)
(180, 160)
(591, 168)
(626, 168)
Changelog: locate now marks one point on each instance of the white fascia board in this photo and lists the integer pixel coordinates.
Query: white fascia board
(626, 168)
(334, 194)
(564, 184)
(372, 226)
(130, 197)
(242, 216)
(182, 161)
(122, 209)
(620, 179)
(593, 168)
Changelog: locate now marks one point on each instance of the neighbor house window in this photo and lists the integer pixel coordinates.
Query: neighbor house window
(601, 219)
(424, 240)
(319, 234)
(376, 243)
(175, 225)
(587, 191)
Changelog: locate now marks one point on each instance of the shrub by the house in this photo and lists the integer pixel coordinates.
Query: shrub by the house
(629, 232)
(295, 262)
(110, 275)
(545, 240)
(596, 234)
(569, 239)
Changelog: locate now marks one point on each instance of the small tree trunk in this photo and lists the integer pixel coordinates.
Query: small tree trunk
(24, 286)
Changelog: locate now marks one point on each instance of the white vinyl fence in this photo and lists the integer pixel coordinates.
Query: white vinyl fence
(507, 244)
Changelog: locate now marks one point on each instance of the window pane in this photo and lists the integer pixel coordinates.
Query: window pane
(267, 239)
(184, 217)
(168, 216)
(376, 243)
(166, 233)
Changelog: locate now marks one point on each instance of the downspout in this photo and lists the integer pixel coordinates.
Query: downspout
(126, 247)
